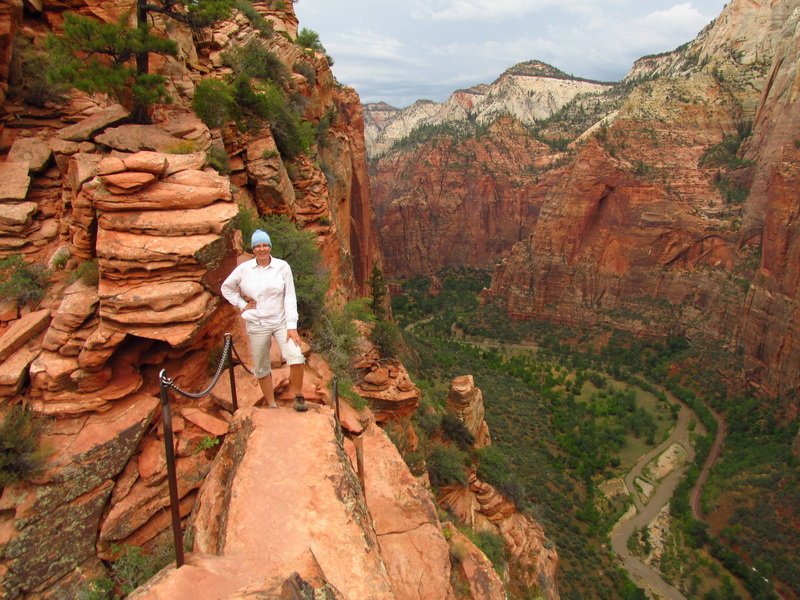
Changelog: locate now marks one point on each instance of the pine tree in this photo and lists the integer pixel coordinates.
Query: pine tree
(377, 284)
(114, 58)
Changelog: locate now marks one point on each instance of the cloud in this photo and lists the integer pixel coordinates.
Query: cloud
(478, 10)
(403, 51)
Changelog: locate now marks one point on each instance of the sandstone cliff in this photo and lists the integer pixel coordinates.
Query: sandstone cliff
(650, 232)
(137, 230)
(533, 559)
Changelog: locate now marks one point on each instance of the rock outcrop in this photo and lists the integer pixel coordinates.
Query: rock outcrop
(658, 241)
(465, 401)
(310, 519)
(533, 557)
(449, 203)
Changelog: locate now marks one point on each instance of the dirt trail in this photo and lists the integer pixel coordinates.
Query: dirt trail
(713, 455)
(647, 509)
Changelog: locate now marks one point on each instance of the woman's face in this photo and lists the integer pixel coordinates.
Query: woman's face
(262, 251)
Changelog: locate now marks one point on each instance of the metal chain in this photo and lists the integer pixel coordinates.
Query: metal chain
(225, 355)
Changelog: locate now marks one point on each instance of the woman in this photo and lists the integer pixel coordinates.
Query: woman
(263, 290)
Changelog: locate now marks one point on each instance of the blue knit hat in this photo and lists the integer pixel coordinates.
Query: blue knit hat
(260, 237)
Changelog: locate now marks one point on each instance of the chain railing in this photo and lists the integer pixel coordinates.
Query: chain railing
(169, 445)
(228, 352)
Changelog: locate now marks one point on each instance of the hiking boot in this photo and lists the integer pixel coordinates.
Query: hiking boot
(300, 403)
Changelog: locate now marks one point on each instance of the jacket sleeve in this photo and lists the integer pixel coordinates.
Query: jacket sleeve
(230, 289)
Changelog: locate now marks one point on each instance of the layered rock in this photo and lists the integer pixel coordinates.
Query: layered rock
(533, 556)
(652, 240)
(274, 527)
(384, 383)
(49, 527)
(465, 401)
(404, 516)
(447, 204)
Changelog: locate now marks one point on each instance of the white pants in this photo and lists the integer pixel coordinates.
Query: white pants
(260, 337)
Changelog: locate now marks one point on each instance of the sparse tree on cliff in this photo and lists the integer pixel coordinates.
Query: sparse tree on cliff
(115, 58)
(377, 284)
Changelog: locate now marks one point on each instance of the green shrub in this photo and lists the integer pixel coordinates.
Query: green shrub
(183, 147)
(308, 38)
(134, 566)
(256, 19)
(446, 465)
(22, 282)
(492, 545)
(255, 61)
(219, 160)
(60, 259)
(454, 430)
(206, 443)
(29, 69)
(213, 102)
(87, 272)
(387, 338)
(293, 136)
(20, 456)
(359, 308)
(99, 589)
(307, 71)
(336, 338)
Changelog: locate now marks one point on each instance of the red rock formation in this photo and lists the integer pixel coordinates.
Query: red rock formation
(638, 235)
(534, 559)
(459, 203)
(309, 510)
(465, 401)
(79, 182)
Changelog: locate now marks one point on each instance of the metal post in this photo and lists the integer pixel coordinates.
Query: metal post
(228, 346)
(336, 416)
(358, 441)
(166, 415)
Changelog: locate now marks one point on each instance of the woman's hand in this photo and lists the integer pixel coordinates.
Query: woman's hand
(251, 304)
(291, 334)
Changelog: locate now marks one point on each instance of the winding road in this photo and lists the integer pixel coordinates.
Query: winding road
(713, 455)
(647, 510)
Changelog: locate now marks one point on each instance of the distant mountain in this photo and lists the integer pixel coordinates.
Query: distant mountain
(528, 91)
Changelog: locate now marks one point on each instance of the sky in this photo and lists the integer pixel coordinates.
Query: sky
(399, 51)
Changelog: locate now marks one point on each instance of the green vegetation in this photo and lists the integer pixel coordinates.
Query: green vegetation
(219, 160)
(567, 410)
(256, 19)
(132, 567)
(254, 60)
(88, 272)
(254, 95)
(96, 56)
(28, 75)
(309, 39)
(20, 455)
(206, 443)
(22, 282)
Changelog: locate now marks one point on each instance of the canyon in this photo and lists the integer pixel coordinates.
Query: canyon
(665, 206)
